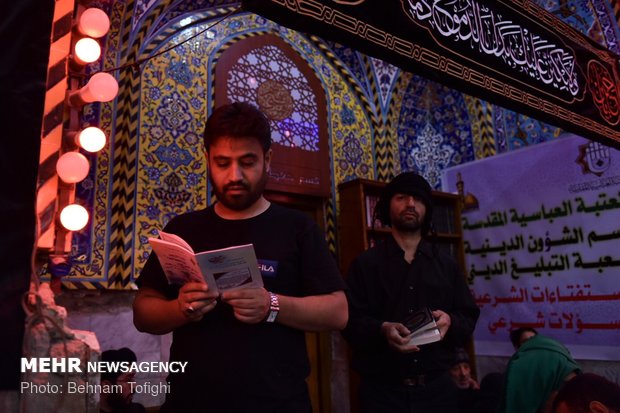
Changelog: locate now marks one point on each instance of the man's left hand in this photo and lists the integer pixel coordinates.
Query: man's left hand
(250, 305)
(443, 321)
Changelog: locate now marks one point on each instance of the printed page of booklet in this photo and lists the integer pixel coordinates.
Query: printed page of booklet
(223, 269)
(177, 259)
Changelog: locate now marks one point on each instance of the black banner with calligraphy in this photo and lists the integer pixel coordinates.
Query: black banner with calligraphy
(508, 52)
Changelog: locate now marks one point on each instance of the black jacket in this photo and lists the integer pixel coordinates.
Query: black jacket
(384, 287)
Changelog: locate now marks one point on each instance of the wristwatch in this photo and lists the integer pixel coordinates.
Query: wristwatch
(274, 308)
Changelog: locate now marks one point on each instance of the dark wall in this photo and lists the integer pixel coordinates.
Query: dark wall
(25, 30)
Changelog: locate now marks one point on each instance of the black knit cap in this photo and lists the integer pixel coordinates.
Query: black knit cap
(410, 183)
(460, 356)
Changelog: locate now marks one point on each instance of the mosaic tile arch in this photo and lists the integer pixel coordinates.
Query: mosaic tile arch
(377, 93)
(267, 72)
(172, 96)
(377, 121)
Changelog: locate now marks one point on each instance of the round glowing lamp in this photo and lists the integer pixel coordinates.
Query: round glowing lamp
(74, 217)
(102, 87)
(87, 50)
(72, 167)
(91, 139)
(93, 22)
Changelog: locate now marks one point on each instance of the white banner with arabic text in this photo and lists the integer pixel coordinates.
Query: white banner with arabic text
(542, 244)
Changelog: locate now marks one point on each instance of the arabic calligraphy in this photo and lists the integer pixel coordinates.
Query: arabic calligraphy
(604, 92)
(537, 244)
(487, 32)
(554, 320)
(275, 100)
(565, 209)
(286, 177)
(555, 262)
(601, 204)
(594, 237)
(538, 294)
(595, 184)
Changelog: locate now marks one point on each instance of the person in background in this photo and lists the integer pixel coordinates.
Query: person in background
(468, 388)
(474, 397)
(490, 393)
(534, 374)
(393, 279)
(521, 335)
(118, 402)
(246, 349)
(587, 393)
(461, 371)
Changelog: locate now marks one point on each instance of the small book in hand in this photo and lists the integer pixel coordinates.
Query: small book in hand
(422, 326)
(223, 269)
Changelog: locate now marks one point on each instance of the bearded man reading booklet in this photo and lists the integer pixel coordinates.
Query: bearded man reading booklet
(245, 348)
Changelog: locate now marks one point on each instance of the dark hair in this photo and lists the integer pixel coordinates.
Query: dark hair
(460, 356)
(492, 383)
(584, 388)
(238, 120)
(515, 335)
(120, 355)
(409, 183)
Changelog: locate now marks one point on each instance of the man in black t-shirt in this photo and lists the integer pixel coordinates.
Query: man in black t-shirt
(245, 350)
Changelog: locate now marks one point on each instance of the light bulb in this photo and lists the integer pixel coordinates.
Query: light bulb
(87, 50)
(72, 167)
(74, 217)
(93, 22)
(91, 139)
(102, 87)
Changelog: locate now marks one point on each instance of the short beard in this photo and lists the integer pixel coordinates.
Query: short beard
(243, 202)
(406, 226)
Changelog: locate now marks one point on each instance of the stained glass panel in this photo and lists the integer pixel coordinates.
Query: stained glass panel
(267, 77)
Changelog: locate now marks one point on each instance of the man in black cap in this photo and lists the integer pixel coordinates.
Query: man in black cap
(388, 282)
(461, 371)
(469, 389)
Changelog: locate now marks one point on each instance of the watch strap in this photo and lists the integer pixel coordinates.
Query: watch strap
(274, 308)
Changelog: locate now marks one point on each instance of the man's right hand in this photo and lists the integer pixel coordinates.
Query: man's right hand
(397, 336)
(195, 300)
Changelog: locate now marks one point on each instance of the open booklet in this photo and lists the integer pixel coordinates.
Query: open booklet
(422, 326)
(223, 269)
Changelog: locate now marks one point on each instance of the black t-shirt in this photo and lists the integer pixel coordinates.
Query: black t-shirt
(230, 362)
